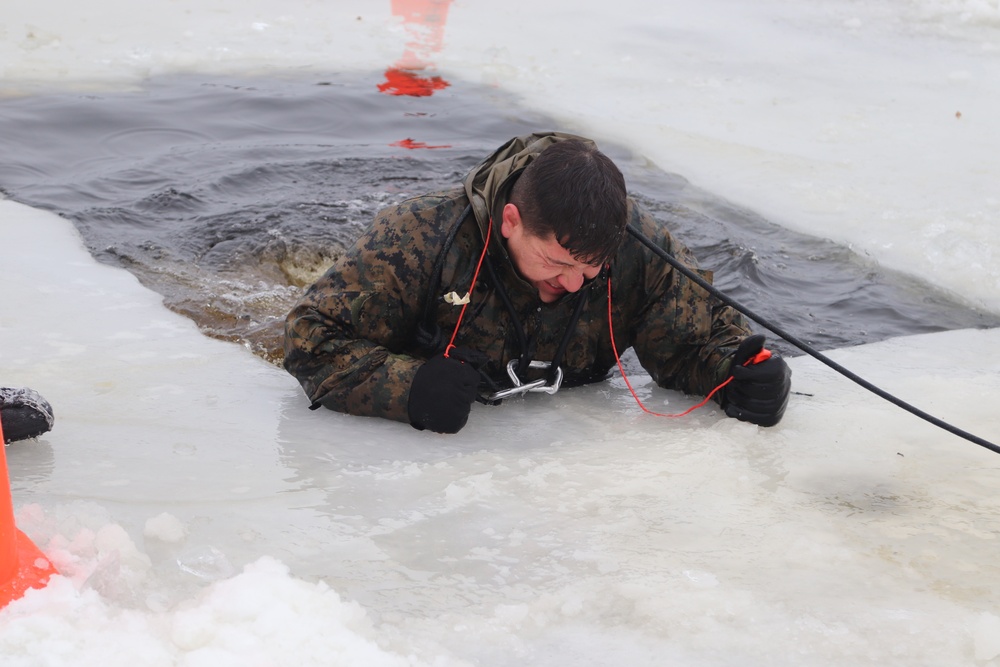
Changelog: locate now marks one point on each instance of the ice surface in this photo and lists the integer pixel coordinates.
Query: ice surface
(570, 525)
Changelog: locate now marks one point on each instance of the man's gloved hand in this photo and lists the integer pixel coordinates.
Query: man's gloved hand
(443, 391)
(759, 390)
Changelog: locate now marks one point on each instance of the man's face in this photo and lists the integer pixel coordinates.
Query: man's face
(543, 262)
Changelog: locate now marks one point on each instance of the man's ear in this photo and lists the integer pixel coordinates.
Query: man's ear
(511, 221)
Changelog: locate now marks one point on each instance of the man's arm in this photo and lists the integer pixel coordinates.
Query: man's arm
(345, 340)
(683, 336)
(336, 367)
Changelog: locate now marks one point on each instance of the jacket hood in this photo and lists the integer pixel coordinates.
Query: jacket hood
(488, 185)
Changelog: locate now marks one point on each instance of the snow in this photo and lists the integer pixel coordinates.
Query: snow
(201, 515)
(165, 527)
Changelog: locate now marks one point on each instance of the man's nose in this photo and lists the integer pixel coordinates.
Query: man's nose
(571, 280)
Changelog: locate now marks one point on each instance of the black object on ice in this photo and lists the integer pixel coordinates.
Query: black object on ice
(808, 349)
(24, 414)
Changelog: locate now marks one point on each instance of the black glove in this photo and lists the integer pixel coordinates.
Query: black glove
(759, 390)
(443, 391)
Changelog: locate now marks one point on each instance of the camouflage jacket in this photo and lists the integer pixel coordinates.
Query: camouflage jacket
(353, 341)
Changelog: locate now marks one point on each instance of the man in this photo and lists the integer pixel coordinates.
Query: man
(503, 285)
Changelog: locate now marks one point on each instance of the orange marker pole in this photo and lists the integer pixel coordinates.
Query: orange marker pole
(22, 564)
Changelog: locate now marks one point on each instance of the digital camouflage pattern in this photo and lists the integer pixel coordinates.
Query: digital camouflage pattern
(352, 341)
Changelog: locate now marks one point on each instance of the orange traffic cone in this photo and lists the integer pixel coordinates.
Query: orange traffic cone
(22, 564)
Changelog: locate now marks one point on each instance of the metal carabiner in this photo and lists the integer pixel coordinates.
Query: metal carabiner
(534, 386)
(537, 385)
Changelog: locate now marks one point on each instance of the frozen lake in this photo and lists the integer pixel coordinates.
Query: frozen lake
(201, 515)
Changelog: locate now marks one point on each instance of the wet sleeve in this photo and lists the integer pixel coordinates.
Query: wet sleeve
(682, 336)
(344, 340)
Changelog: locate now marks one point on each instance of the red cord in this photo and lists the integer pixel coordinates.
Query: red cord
(621, 369)
(611, 331)
(475, 276)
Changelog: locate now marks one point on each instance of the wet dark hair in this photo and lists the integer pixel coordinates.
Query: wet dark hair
(576, 193)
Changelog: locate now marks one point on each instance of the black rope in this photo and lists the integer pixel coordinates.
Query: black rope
(528, 344)
(581, 301)
(522, 338)
(711, 289)
(428, 334)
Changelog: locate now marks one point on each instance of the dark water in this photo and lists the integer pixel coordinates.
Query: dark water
(228, 196)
